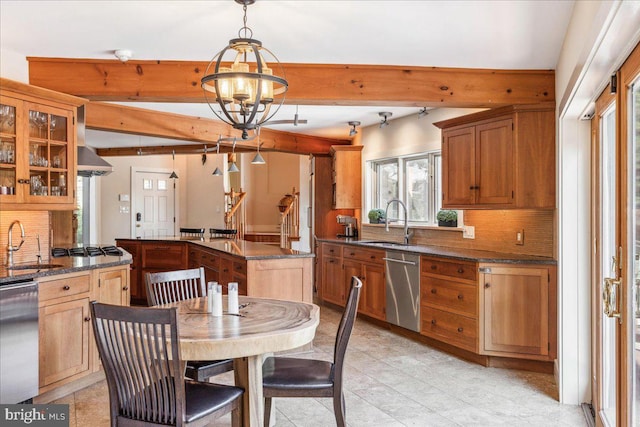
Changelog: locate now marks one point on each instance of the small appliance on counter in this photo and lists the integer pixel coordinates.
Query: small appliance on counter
(350, 225)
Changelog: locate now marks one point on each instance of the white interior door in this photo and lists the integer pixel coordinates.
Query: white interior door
(154, 205)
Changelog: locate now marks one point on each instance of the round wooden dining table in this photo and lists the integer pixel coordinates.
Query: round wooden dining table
(263, 326)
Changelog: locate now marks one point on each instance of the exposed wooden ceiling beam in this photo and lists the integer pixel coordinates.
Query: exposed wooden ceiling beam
(139, 121)
(309, 84)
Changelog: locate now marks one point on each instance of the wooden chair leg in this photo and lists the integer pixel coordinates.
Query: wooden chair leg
(236, 416)
(267, 411)
(339, 409)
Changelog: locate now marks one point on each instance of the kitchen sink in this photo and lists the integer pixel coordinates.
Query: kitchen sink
(34, 266)
(385, 244)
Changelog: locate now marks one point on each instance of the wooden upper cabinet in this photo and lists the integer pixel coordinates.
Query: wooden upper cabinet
(500, 158)
(346, 182)
(37, 148)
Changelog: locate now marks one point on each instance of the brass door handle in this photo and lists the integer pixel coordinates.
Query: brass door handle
(610, 297)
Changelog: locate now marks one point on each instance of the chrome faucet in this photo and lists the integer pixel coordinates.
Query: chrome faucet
(407, 235)
(10, 248)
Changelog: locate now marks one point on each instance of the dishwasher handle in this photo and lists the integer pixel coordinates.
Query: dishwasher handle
(400, 261)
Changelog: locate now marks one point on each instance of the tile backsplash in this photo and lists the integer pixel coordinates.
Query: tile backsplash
(35, 223)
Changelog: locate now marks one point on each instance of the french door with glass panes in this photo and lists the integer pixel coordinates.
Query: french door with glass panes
(616, 256)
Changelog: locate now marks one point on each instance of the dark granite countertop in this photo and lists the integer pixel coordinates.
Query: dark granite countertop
(445, 252)
(240, 248)
(67, 265)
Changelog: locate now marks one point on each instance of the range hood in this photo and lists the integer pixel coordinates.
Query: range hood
(90, 164)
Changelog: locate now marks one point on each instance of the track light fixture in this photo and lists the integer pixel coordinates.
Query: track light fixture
(353, 131)
(217, 171)
(258, 159)
(423, 112)
(173, 175)
(385, 115)
(233, 167)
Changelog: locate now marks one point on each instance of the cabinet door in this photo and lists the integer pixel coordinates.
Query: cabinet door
(458, 170)
(516, 311)
(494, 163)
(373, 297)
(333, 281)
(64, 340)
(11, 112)
(113, 287)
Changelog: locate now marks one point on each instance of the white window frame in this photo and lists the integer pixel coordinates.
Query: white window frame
(434, 200)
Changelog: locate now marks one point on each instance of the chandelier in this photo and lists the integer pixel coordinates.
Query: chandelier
(244, 99)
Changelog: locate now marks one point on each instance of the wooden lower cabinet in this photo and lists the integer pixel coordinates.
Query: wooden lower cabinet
(136, 281)
(373, 295)
(516, 320)
(67, 351)
(64, 324)
(449, 301)
(333, 285)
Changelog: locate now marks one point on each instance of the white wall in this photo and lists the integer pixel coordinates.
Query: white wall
(599, 38)
(14, 66)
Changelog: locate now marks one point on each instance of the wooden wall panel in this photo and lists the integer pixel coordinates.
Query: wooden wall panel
(34, 223)
(495, 230)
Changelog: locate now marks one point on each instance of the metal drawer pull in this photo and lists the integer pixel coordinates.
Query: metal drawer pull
(460, 296)
(126, 288)
(433, 321)
(460, 270)
(399, 261)
(86, 319)
(66, 287)
(460, 329)
(433, 291)
(434, 267)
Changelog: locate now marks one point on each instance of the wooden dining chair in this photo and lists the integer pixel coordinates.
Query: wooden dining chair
(195, 233)
(178, 285)
(140, 352)
(292, 377)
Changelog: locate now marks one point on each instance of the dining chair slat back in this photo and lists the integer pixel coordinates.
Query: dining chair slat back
(293, 377)
(173, 286)
(140, 352)
(179, 285)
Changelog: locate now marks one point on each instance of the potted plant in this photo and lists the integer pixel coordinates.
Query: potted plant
(376, 216)
(447, 218)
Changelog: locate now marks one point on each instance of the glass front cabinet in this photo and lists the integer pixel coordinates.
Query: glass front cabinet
(37, 147)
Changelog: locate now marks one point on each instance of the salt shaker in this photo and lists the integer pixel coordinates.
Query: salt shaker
(210, 291)
(232, 298)
(216, 308)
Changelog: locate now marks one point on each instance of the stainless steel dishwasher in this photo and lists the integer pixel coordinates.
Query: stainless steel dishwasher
(403, 289)
(18, 341)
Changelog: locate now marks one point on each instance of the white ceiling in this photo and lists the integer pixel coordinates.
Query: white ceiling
(523, 34)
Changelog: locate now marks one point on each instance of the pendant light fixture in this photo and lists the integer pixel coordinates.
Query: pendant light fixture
(353, 131)
(385, 115)
(217, 171)
(258, 159)
(173, 175)
(244, 98)
(233, 167)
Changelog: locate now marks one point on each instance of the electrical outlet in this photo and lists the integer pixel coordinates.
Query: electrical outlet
(520, 237)
(468, 232)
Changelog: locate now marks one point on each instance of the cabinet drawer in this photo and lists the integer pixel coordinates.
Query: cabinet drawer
(331, 250)
(239, 268)
(166, 257)
(364, 255)
(458, 297)
(211, 260)
(457, 269)
(454, 329)
(63, 287)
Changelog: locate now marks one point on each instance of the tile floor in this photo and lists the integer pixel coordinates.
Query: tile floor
(392, 381)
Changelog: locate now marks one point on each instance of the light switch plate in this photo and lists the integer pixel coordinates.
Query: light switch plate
(124, 209)
(123, 197)
(468, 232)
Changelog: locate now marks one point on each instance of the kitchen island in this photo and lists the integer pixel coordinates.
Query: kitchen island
(260, 270)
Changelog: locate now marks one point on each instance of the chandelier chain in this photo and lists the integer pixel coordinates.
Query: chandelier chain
(244, 28)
